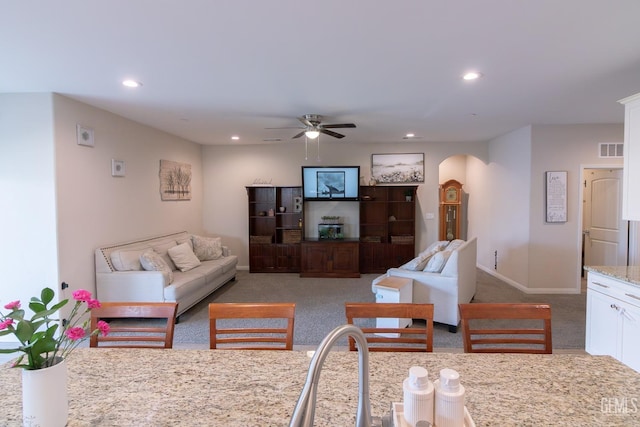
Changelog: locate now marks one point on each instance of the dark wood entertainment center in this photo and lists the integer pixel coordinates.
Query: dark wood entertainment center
(277, 243)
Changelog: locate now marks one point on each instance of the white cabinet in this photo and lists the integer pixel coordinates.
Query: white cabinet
(613, 319)
(631, 173)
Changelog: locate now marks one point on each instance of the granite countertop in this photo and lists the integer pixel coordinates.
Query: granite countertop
(630, 274)
(142, 387)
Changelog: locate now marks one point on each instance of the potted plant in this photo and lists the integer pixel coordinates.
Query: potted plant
(44, 378)
(408, 194)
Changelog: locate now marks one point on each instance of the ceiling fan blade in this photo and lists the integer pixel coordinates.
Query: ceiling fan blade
(305, 121)
(299, 135)
(288, 127)
(330, 133)
(339, 125)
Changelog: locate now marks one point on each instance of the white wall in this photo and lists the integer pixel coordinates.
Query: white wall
(532, 255)
(228, 169)
(95, 208)
(555, 249)
(28, 254)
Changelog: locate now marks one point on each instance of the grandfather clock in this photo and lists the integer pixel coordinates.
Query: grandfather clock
(450, 210)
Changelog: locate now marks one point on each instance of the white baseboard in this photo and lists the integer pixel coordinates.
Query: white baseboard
(525, 289)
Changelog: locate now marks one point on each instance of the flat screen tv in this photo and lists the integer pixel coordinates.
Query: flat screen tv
(330, 183)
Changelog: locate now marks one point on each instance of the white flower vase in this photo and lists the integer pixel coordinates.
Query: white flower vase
(44, 396)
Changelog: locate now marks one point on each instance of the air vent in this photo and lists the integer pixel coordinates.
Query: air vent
(272, 139)
(610, 149)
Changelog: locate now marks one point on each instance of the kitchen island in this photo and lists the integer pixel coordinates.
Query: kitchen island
(142, 387)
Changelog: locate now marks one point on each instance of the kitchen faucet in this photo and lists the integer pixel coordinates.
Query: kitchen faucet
(303, 413)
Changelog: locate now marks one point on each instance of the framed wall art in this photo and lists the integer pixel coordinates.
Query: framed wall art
(84, 136)
(175, 180)
(117, 167)
(556, 196)
(397, 168)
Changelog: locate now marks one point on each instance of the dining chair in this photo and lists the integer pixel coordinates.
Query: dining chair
(135, 324)
(387, 338)
(251, 326)
(506, 327)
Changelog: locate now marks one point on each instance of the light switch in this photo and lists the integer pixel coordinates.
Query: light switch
(429, 215)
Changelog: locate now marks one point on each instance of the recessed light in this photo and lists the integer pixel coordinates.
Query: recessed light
(410, 135)
(472, 75)
(131, 83)
(235, 137)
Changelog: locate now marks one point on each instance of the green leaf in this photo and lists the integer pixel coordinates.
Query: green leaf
(37, 307)
(47, 295)
(9, 350)
(59, 305)
(44, 345)
(16, 315)
(24, 330)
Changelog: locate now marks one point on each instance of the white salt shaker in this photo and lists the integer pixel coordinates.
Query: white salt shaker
(417, 396)
(449, 399)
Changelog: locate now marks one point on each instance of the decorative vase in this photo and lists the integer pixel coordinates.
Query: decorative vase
(44, 396)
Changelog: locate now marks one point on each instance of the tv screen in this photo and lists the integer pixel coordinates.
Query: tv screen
(337, 183)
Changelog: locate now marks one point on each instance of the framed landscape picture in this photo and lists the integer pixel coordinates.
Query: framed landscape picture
(397, 168)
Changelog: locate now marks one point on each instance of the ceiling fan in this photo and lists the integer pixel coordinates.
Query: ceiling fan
(314, 127)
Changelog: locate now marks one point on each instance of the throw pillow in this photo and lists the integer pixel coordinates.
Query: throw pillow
(186, 240)
(152, 261)
(183, 257)
(207, 248)
(127, 260)
(437, 262)
(162, 251)
(419, 262)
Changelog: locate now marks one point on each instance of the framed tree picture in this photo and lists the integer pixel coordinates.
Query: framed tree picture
(175, 180)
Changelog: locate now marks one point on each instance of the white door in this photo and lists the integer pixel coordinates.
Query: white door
(605, 233)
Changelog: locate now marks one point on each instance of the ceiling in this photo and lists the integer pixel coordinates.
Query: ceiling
(214, 69)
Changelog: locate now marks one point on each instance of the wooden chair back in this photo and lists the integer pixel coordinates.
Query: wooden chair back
(135, 324)
(506, 328)
(414, 338)
(253, 337)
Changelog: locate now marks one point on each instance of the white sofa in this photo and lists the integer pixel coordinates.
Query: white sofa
(454, 284)
(121, 277)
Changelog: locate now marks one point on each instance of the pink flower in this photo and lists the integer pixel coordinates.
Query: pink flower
(75, 333)
(12, 305)
(5, 323)
(103, 327)
(82, 295)
(93, 303)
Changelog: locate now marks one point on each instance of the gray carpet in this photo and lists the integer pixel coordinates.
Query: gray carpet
(320, 307)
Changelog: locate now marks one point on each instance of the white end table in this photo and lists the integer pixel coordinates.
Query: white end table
(393, 290)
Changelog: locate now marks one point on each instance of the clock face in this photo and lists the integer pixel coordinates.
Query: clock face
(451, 195)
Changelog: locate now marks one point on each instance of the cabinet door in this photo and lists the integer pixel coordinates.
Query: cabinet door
(630, 342)
(344, 259)
(602, 335)
(314, 258)
(288, 258)
(373, 258)
(261, 258)
(399, 254)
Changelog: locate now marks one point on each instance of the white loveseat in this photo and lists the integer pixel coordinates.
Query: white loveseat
(455, 283)
(120, 275)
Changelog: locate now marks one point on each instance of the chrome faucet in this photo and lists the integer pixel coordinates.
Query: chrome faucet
(304, 411)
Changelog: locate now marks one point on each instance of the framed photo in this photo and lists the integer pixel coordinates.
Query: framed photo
(117, 167)
(175, 180)
(84, 136)
(330, 184)
(556, 196)
(397, 168)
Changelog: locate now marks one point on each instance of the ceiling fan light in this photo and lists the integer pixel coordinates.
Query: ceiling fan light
(312, 134)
